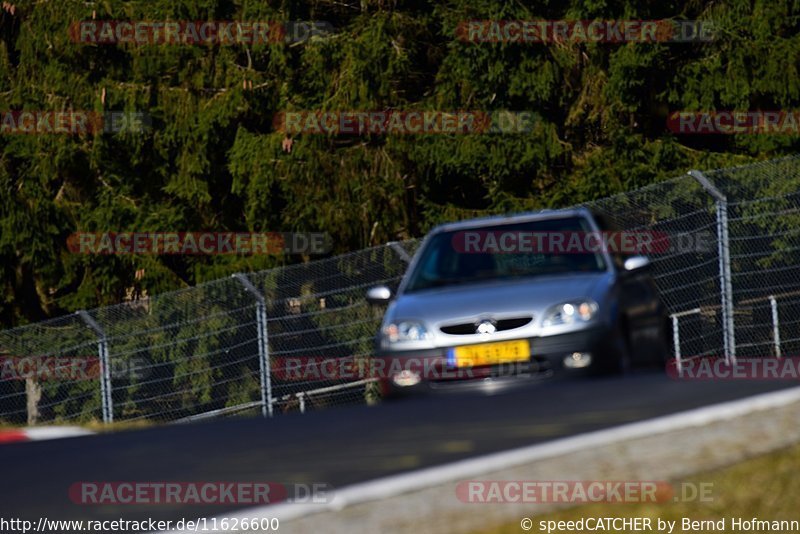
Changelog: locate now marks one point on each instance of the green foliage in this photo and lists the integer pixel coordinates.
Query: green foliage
(213, 160)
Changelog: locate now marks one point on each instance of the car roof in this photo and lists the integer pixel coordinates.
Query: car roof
(497, 220)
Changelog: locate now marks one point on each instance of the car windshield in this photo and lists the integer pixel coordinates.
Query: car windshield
(527, 249)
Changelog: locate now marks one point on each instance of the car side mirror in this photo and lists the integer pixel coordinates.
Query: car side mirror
(636, 263)
(379, 295)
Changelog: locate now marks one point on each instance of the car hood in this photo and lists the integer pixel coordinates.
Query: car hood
(494, 298)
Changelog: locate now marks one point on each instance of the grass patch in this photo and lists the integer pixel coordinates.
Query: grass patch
(99, 426)
(766, 487)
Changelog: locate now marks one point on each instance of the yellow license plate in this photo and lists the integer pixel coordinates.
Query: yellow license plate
(490, 353)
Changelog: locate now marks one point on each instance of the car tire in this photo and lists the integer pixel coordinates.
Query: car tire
(621, 350)
(665, 349)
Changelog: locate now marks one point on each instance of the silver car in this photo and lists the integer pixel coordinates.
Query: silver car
(484, 302)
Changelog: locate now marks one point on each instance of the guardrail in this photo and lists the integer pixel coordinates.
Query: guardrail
(746, 306)
(299, 396)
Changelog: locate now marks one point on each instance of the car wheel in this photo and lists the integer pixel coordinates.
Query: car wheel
(621, 350)
(664, 350)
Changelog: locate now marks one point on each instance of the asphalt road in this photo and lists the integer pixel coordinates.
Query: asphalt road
(338, 446)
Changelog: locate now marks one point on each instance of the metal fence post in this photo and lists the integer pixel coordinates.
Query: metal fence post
(105, 368)
(676, 333)
(398, 248)
(723, 249)
(676, 341)
(776, 332)
(263, 345)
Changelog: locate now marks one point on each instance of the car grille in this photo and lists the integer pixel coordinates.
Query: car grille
(466, 329)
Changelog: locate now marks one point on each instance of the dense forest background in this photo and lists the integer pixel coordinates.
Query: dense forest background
(212, 159)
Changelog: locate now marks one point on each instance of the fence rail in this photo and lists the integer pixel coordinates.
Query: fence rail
(733, 290)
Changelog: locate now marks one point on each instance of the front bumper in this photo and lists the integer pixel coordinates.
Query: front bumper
(546, 360)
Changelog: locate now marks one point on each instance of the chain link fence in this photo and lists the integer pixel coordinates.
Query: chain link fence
(686, 270)
(732, 283)
(300, 337)
(764, 221)
(256, 343)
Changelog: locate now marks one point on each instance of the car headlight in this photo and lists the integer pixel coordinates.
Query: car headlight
(406, 331)
(570, 312)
